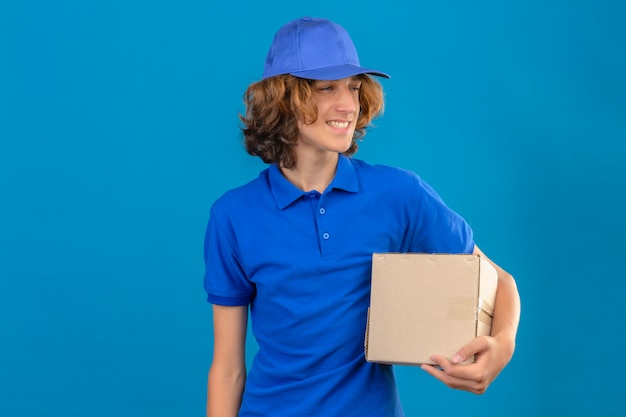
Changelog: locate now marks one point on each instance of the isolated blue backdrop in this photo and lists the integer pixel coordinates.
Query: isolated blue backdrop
(118, 129)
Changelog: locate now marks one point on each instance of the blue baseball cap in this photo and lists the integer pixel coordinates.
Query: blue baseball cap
(316, 49)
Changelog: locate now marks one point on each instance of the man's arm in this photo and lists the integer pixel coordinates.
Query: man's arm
(492, 353)
(227, 375)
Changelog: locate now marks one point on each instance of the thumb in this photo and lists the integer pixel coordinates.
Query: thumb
(468, 351)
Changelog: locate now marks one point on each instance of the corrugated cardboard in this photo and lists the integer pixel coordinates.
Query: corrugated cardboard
(425, 304)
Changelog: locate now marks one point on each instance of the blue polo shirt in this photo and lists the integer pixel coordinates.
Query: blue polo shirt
(302, 262)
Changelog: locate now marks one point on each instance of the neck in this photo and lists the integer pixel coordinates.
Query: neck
(316, 174)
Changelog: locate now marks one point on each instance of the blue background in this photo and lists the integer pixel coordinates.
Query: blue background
(118, 129)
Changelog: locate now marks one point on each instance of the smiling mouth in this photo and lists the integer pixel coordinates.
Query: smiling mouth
(338, 125)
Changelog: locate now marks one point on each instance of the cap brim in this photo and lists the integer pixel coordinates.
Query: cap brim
(337, 73)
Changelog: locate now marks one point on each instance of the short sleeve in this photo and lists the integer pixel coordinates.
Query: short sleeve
(439, 229)
(225, 280)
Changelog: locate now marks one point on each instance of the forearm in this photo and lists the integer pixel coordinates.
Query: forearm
(506, 312)
(224, 392)
(227, 375)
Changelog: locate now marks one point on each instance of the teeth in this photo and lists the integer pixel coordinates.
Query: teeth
(339, 125)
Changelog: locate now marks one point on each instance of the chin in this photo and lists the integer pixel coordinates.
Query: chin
(343, 147)
(342, 150)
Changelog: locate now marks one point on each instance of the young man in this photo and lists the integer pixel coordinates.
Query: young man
(295, 245)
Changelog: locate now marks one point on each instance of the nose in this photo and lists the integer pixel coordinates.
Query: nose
(347, 100)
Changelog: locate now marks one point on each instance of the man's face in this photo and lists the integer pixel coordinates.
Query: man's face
(338, 108)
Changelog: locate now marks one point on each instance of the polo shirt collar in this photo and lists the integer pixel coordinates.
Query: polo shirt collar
(345, 177)
(286, 193)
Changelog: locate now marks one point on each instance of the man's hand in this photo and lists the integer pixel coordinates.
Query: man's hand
(491, 356)
(491, 353)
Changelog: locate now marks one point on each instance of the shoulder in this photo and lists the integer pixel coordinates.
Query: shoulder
(239, 198)
(396, 185)
(387, 175)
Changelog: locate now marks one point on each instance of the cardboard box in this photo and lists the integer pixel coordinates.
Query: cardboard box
(425, 304)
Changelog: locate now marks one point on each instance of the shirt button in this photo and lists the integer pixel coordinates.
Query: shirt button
(322, 210)
(326, 236)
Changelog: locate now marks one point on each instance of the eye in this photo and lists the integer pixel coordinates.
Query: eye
(326, 88)
(355, 87)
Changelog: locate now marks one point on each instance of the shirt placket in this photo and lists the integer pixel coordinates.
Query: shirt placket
(322, 225)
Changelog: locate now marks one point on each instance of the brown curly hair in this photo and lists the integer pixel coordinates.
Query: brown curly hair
(276, 104)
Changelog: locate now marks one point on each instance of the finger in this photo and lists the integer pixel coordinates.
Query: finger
(452, 381)
(463, 371)
(436, 371)
(476, 346)
(433, 370)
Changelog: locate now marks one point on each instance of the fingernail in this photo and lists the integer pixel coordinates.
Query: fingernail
(457, 359)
